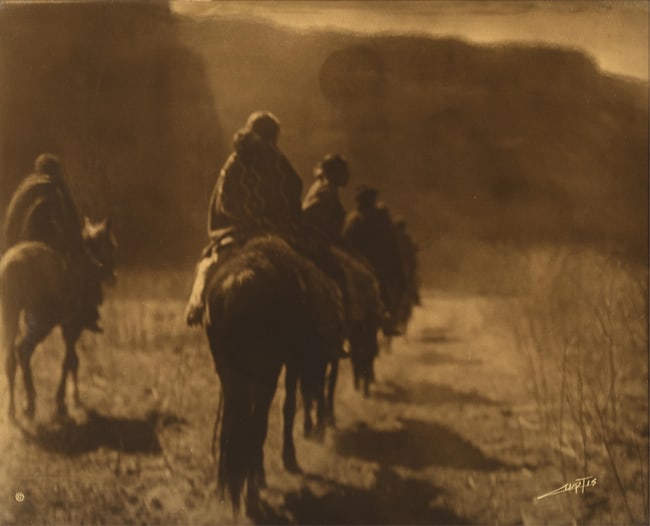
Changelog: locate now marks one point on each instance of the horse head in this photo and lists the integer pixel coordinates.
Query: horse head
(100, 245)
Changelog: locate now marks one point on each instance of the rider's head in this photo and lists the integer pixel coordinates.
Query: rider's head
(334, 168)
(48, 164)
(265, 125)
(366, 196)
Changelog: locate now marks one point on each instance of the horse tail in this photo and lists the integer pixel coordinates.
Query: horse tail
(9, 310)
(236, 440)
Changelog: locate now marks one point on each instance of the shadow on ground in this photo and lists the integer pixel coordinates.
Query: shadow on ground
(392, 499)
(425, 393)
(416, 444)
(431, 338)
(431, 356)
(120, 434)
(437, 335)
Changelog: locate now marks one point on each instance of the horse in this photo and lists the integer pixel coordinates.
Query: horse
(267, 306)
(50, 290)
(365, 316)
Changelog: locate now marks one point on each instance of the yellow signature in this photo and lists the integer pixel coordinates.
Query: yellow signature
(579, 485)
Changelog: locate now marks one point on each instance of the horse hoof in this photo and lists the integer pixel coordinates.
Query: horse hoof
(319, 433)
(253, 508)
(308, 431)
(61, 411)
(29, 411)
(253, 503)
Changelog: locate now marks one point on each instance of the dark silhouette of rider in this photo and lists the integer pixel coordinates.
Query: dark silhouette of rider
(42, 209)
(369, 234)
(257, 191)
(322, 206)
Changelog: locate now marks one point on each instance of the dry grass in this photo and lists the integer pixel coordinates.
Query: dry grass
(582, 327)
(462, 425)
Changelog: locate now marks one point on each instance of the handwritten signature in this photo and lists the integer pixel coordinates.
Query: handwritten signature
(579, 485)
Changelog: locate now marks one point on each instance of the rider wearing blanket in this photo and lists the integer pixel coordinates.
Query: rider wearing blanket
(42, 209)
(257, 192)
(368, 233)
(322, 205)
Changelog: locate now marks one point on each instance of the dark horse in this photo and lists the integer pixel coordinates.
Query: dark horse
(38, 282)
(267, 306)
(364, 318)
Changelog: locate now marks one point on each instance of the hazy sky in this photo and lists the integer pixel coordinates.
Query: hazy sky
(614, 32)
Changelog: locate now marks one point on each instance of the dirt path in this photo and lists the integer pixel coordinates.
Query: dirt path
(445, 438)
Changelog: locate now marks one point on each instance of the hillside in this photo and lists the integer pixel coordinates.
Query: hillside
(510, 144)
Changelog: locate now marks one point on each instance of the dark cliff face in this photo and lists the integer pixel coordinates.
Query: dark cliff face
(110, 88)
(519, 144)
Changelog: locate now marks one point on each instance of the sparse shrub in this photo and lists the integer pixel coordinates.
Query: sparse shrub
(582, 328)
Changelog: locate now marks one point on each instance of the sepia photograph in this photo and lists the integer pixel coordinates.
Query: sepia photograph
(324, 262)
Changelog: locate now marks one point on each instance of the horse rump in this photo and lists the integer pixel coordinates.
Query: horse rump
(31, 282)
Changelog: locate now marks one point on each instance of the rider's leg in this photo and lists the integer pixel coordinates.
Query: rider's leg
(195, 305)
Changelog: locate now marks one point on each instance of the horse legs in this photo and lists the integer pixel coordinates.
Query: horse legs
(331, 387)
(366, 381)
(262, 403)
(312, 384)
(321, 412)
(289, 412)
(356, 379)
(70, 365)
(263, 391)
(11, 365)
(9, 328)
(25, 351)
(372, 353)
(36, 331)
(357, 342)
(307, 401)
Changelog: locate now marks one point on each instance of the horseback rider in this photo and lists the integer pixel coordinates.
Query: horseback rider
(258, 191)
(322, 205)
(368, 232)
(42, 209)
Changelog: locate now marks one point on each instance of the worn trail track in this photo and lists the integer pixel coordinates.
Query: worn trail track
(447, 436)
